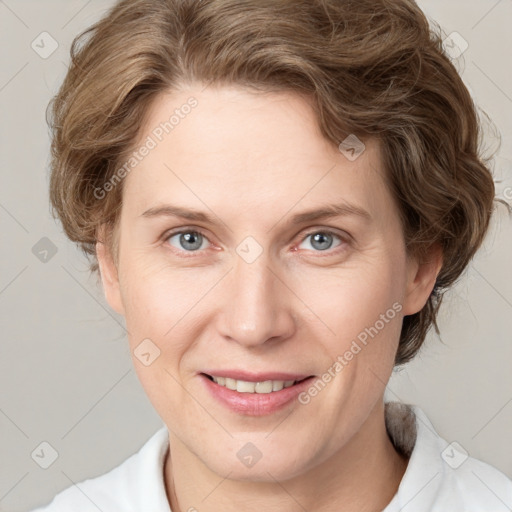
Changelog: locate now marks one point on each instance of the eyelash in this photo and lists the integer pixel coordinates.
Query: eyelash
(190, 254)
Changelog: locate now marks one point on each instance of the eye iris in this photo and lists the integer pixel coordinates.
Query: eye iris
(193, 238)
(321, 239)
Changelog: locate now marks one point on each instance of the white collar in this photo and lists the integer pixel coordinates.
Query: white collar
(441, 476)
(429, 484)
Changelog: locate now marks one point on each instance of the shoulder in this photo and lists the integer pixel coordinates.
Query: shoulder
(137, 480)
(471, 483)
(441, 475)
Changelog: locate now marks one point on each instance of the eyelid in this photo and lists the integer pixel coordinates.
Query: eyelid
(345, 239)
(327, 230)
(183, 229)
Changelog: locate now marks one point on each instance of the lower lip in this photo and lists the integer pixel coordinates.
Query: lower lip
(255, 404)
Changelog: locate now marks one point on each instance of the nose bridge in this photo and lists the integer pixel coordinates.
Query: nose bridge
(256, 308)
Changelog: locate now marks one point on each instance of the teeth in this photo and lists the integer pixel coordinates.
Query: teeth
(243, 386)
(230, 383)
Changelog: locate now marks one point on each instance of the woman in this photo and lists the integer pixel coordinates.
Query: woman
(276, 195)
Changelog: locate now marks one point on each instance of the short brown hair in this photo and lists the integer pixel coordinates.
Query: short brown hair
(373, 68)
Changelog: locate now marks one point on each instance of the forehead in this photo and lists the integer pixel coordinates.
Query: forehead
(248, 150)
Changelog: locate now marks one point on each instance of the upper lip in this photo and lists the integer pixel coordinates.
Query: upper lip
(256, 377)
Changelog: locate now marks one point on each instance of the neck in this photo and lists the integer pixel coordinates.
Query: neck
(362, 476)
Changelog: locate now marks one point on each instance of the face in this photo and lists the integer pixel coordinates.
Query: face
(240, 283)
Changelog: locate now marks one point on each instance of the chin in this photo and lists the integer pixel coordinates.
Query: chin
(280, 465)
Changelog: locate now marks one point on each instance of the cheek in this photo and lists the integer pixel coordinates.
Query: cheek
(351, 299)
(169, 307)
(156, 305)
(156, 297)
(337, 304)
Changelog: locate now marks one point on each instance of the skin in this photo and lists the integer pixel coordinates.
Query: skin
(295, 308)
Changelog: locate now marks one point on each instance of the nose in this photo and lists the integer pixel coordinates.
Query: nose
(257, 304)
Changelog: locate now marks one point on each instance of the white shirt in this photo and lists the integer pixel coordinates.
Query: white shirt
(440, 477)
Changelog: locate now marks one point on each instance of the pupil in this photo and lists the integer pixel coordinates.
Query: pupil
(322, 238)
(188, 238)
(321, 241)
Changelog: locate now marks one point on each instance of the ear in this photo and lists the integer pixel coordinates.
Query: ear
(109, 276)
(421, 278)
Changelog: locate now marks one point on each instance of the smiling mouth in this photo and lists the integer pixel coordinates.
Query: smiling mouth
(264, 387)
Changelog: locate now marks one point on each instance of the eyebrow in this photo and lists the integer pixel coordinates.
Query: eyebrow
(324, 212)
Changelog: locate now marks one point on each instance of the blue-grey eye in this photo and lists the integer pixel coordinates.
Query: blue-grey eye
(188, 240)
(321, 240)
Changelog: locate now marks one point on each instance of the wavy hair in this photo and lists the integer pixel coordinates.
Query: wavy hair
(373, 68)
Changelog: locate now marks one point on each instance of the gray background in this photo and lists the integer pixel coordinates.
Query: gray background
(65, 371)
